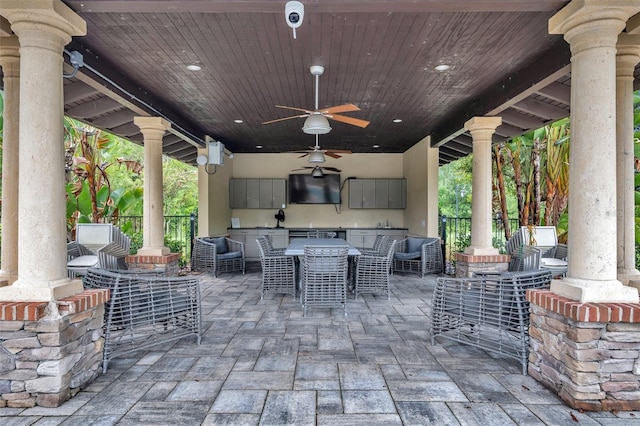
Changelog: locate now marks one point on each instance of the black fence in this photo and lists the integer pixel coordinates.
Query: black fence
(179, 231)
(456, 234)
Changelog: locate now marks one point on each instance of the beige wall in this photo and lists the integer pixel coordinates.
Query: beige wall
(420, 168)
(418, 165)
(214, 216)
(319, 215)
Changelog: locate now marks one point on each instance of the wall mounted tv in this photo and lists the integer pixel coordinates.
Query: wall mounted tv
(306, 189)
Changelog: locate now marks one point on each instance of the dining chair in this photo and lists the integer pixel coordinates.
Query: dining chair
(373, 270)
(324, 277)
(278, 271)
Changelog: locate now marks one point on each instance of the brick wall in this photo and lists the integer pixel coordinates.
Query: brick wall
(168, 264)
(586, 352)
(49, 350)
(467, 265)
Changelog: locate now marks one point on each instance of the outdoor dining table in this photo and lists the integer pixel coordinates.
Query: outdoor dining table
(296, 248)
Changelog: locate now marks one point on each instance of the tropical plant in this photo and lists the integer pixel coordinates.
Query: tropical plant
(90, 194)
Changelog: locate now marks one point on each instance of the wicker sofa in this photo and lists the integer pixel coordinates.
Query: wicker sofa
(145, 310)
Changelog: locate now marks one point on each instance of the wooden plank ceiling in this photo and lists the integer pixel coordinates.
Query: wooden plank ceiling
(379, 55)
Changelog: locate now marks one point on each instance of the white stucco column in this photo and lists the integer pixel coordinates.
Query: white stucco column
(627, 57)
(591, 27)
(153, 130)
(43, 29)
(481, 129)
(10, 63)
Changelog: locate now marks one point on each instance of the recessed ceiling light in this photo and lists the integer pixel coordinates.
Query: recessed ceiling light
(258, 146)
(238, 121)
(443, 67)
(397, 120)
(376, 146)
(194, 67)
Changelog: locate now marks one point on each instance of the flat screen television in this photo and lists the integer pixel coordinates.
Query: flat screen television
(306, 189)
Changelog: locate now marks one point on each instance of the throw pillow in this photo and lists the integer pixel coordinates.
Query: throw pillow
(415, 244)
(221, 244)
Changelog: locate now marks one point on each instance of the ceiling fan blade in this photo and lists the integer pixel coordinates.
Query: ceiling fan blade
(339, 151)
(332, 155)
(341, 108)
(349, 120)
(294, 108)
(332, 169)
(302, 168)
(283, 119)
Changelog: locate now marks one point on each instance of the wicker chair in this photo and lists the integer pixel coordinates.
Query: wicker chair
(324, 277)
(373, 271)
(97, 245)
(145, 310)
(271, 249)
(377, 246)
(278, 271)
(487, 311)
(217, 254)
(420, 255)
(553, 256)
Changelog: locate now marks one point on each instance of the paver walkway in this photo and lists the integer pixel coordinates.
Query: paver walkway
(264, 363)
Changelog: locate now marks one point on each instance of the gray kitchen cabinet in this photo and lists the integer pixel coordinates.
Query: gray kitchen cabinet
(377, 193)
(257, 193)
(247, 236)
(362, 193)
(273, 193)
(362, 238)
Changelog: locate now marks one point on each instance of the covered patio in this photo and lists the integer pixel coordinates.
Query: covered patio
(264, 363)
(599, 291)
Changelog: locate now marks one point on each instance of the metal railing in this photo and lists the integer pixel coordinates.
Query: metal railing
(455, 233)
(180, 229)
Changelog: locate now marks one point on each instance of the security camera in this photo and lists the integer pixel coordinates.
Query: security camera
(294, 13)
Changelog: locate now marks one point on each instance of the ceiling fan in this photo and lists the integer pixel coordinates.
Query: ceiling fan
(316, 122)
(317, 171)
(316, 154)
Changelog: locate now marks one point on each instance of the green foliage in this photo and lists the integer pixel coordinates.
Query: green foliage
(454, 189)
(90, 158)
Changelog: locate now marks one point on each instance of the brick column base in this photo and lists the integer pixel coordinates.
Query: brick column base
(586, 352)
(467, 264)
(168, 263)
(50, 350)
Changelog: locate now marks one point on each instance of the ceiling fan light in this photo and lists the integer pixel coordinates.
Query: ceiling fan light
(316, 124)
(316, 157)
(317, 172)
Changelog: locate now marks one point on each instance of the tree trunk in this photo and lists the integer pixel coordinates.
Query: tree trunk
(502, 197)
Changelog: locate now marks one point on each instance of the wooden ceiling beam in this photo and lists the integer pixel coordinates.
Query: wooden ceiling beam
(93, 108)
(128, 93)
(327, 6)
(455, 146)
(115, 119)
(558, 92)
(519, 119)
(515, 88)
(540, 109)
(509, 131)
(126, 130)
(74, 92)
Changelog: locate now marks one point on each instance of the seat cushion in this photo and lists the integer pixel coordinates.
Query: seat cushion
(415, 244)
(550, 262)
(229, 255)
(221, 244)
(87, 261)
(407, 256)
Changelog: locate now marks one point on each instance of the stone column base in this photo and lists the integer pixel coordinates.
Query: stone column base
(167, 263)
(586, 352)
(468, 264)
(50, 350)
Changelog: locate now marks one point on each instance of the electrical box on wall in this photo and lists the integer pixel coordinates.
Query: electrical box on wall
(216, 153)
